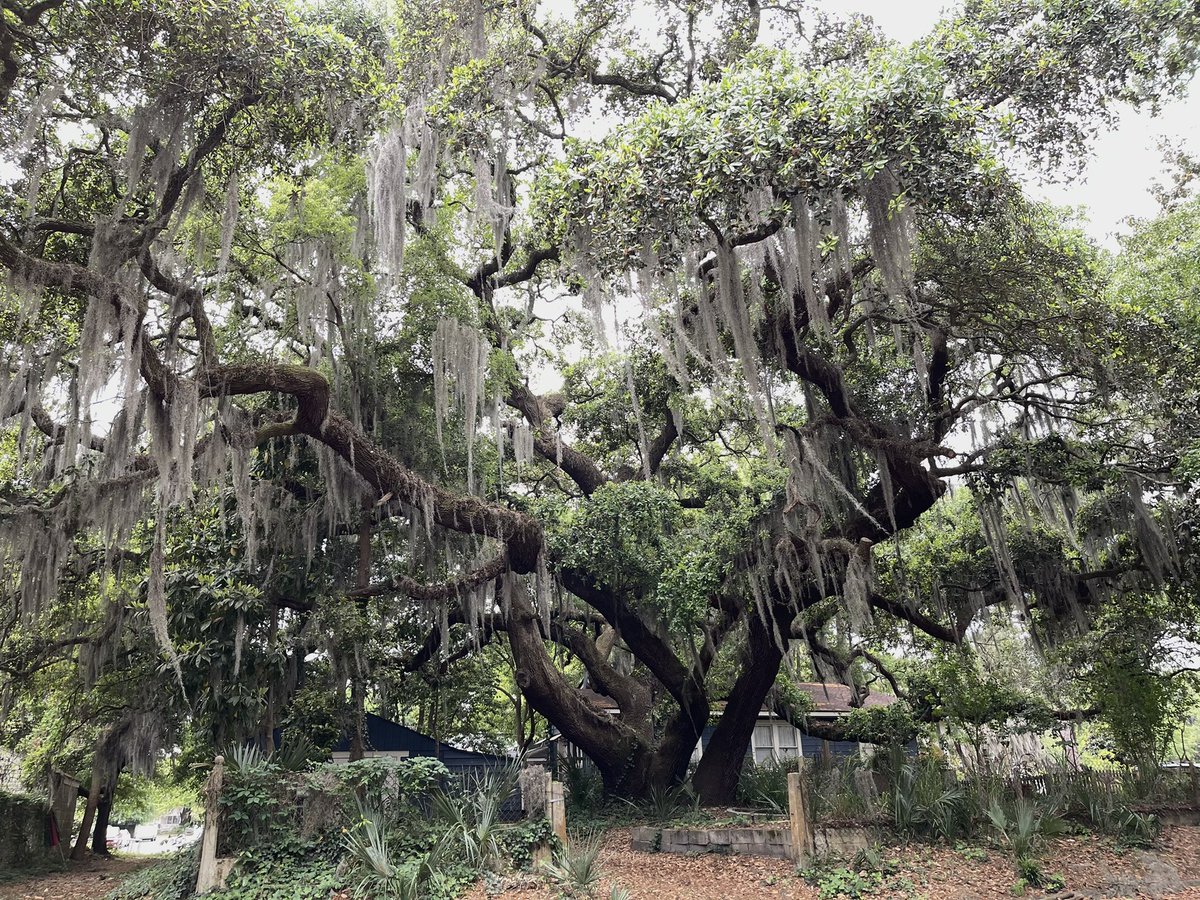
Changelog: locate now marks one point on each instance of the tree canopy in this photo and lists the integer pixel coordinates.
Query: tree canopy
(448, 358)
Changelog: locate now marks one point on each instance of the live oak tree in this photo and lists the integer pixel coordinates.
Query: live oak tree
(294, 277)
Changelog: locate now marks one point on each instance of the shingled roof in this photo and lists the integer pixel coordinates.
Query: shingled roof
(835, 698)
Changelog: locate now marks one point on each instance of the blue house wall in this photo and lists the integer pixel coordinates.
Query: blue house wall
(810, 746)
(384, 735)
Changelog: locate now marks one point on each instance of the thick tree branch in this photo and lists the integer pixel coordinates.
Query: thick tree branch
(455, 587)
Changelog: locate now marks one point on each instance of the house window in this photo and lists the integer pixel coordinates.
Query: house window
(775, 741)
(787, 741)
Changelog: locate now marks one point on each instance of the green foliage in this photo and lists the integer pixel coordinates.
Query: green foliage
(1139, 829)
(520, 840)
(379, 875)
(764, 785)
(620, 535)
(21, 838)
(173, 878)
(954, 687)
(306, 871)
(144, 798)
(925, 801)
(273, 106)
(584, 788)
(668, 804)
(472, 816)
(575, 868)
(1023, 826)
(258, 800)
(885, 726)
(1142, 705)
(840, 882)
(391, 786)
(684, 162)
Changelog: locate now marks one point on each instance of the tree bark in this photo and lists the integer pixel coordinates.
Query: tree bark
(619, 752)
(103, 812)
(99, 764)
(720, 767)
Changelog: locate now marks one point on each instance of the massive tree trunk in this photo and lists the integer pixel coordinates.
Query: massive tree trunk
(720, 767)
(103, 812)
(99, 779)
(620, 753)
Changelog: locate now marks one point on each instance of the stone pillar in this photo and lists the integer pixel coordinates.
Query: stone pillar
(803, 840)
(64, 793)
(556, 808)
(534, 780)
(210, 875)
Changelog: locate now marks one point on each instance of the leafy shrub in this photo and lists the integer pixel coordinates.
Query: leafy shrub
(173, 878)
(518, 842)
(1022, 828)
(378, 874)
(298, 871)
(584, 788)
(1029, 871)
(473, 817)
(259, 799)
(923, 804)
(1139, 829)
(390, 786)
(21, 836)
(764, 785)
(841, 882)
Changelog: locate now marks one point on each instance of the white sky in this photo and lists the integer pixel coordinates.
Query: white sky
(1126, 160)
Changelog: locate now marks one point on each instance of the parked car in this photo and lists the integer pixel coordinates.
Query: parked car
(117, 838)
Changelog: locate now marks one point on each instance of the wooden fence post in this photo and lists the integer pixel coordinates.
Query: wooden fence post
(556, 806)
(210, 876)
(803, 841)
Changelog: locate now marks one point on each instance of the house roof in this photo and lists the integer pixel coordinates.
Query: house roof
(835, 698)
(827, 699)
(598, 700)
(384, 734)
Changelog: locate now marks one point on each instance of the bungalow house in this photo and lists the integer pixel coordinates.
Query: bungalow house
(385, 738)
(773, 739)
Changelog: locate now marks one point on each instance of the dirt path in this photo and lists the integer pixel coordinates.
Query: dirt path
(89, 879)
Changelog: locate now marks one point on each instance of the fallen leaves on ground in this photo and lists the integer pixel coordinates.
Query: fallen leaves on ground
(1091, 867)
(89, 879)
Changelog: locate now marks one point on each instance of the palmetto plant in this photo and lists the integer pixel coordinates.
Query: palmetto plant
(576, 867)
(367, 846)
(1022, 826)
(473, 817)
(922, 803)
(245, 758)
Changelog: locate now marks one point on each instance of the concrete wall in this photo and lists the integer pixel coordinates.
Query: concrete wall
(759, 840)
(22, 831)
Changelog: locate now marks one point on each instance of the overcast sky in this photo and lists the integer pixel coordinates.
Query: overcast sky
(1126, 160)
